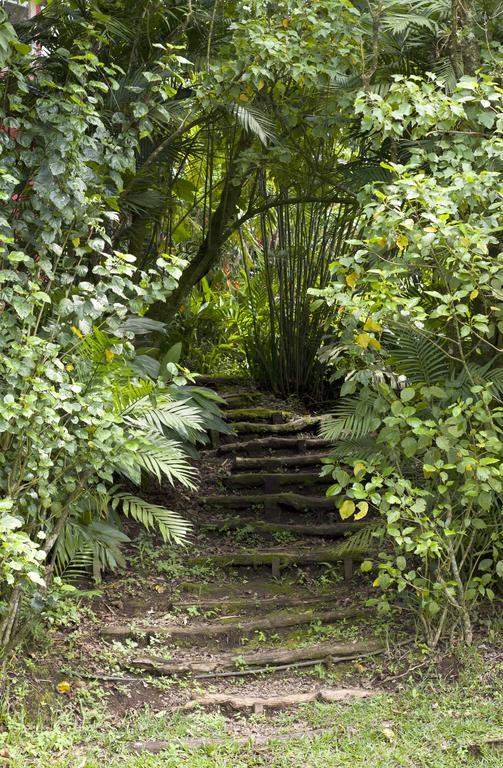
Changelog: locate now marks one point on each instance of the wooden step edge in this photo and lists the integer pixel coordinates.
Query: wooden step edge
(272, 621)
(239, 660)
(286, 498)
(275, 443)
(278, 462)
(299, 425)
(327, 530)
(268, 480)
(259, 415)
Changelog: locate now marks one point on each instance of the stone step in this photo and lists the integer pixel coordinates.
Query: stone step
(270, 501)
(273, 481)
(240, 399)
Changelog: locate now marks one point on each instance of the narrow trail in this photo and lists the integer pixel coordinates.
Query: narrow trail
(267, 611)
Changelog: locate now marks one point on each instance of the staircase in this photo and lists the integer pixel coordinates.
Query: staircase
(258, 610)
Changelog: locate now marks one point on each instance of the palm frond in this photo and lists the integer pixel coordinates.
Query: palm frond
(174, 415)
(161, 457)
(170, 525)
(254, 121)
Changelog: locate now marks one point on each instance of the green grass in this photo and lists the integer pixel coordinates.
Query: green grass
(427, 725)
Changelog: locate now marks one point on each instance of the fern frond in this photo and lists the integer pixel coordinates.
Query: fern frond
(417, 357)
(363, 541)
(170, 525)
(352, 417)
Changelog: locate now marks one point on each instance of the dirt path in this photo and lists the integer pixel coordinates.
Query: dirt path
(264, 611)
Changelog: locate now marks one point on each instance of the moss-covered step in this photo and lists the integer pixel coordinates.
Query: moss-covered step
(250, 603)
(277, 558)
(270, 501)
(323, 530)
(220, 381)
(263, 415)
(305, 424)
(272, 481)
(328, 651)
(201, 630)
(266, 444)
(276, 462)
(240, 399)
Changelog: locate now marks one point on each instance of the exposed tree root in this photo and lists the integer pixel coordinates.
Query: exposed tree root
(270, 415)
(282, 557)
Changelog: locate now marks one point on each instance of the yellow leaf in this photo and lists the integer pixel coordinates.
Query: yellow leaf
(364, 508)
(70, 367)
(371, 325)
(374, 343)
(390, 735)
(430, 229)
(352, 279)
(359, 467)
(402, 242)
(376, 582)
(381, 241)
(243, 97)
(77, 332)
(76, 242)
(64, 687)
(474, 294)
(285, 22)
(347, 509)
(363, 340)
(109, 355)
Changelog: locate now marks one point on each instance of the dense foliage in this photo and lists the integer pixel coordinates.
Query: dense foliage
(182, 179)
(419, 330)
